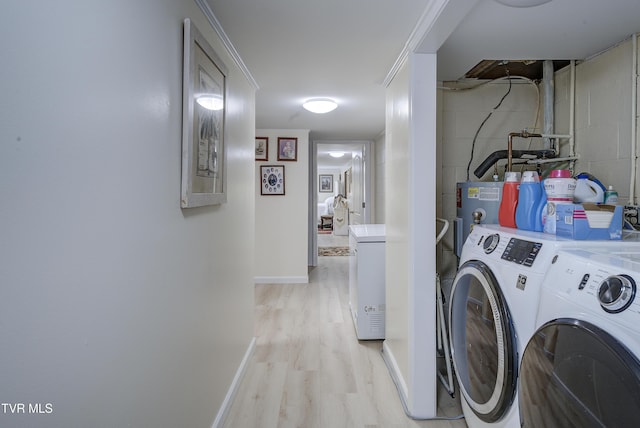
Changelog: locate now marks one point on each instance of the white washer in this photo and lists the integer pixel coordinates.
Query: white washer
(492, 316)
(582, 366)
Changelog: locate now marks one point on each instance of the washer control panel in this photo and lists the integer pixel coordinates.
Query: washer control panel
(586, 282)
(521, 252)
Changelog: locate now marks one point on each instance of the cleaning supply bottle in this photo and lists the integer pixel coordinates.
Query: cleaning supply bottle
(610, 196)
(541, 210)
(529, 199)
(560, 188)
(588, 189)
(509, 201)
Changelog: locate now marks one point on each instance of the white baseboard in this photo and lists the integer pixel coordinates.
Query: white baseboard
(396, 375)
(281, 279)
(235, 384)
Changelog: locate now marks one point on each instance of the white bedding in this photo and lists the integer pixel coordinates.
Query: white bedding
(325, 207)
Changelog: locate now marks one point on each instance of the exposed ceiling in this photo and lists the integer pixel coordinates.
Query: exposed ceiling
(494, 69)
(559, 30)
(299, 49)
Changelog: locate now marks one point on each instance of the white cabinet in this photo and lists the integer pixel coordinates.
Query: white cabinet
(367, 280)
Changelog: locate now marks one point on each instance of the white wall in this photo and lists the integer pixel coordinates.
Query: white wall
(118, 308)
(379, 180)
(397, 220)
(322, 197)
(410, 227)
(337, 180)
(282, 222)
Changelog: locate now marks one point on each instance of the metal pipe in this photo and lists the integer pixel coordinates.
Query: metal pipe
(557, 136)
(572, 113)
(548, 100)
(523, 134)
(539, 161)
(634, 96)
(510, 150)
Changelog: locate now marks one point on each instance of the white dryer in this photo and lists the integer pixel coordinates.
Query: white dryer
(582, 366)
(492, 315)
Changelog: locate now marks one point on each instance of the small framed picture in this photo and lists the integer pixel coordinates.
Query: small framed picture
(287, 149)
(272, 180)
(262, 148)
(325, 183)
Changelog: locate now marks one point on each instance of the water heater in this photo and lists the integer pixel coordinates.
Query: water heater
(478, 198)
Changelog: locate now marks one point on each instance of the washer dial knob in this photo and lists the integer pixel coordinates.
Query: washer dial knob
(490, 243)
(616, 293)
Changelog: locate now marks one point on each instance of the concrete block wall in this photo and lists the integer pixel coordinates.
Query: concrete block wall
(603, 125)
(461, 114)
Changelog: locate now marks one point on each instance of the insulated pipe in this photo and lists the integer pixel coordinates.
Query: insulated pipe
(548, 100)
(493, 158)
(566, 136)
(523, 134)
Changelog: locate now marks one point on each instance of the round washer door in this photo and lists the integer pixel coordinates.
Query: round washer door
(574, 374)
(483, 342)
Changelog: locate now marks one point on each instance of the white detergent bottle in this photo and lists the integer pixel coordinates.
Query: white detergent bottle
(588, 191)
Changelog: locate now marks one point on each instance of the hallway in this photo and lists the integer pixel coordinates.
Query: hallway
(331, 240)
(308, 370)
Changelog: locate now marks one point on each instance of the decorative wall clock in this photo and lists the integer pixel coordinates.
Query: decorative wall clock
(272, 180)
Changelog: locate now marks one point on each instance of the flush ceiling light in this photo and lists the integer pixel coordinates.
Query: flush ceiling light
(522, 3)
(336, 154)
(320, 105)
(210, 101)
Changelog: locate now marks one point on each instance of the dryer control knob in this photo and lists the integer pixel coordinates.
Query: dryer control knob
(490, 243)
(616, 293)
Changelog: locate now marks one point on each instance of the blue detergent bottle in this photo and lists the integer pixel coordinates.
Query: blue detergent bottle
(529, 211)
(541, 210)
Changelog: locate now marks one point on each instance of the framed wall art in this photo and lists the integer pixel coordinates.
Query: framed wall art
(272, 180)
(287, 149)
(203, 129)
(325, 183)
(262, 148)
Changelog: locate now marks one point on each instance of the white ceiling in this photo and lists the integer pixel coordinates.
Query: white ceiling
(300, 49)
(325, 160)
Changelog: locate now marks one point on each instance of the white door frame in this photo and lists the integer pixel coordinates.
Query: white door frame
(313, 186)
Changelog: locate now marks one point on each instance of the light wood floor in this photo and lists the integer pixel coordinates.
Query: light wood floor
(309, 370)
(331, 240)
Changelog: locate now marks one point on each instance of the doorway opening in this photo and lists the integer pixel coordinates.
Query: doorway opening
(339, 193)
